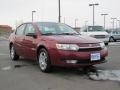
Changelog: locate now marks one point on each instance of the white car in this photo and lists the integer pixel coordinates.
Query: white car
(97, 32)
(114, 36)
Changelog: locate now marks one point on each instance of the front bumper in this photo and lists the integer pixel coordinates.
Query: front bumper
(59, 58)
(105, 40)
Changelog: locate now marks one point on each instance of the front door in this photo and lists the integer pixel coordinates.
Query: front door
(29, 45)
(19, 37)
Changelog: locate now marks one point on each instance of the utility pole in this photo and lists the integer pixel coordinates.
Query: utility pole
(104, 19)
(113, 22)
(59, 7)
(33, 15)
(93, 5)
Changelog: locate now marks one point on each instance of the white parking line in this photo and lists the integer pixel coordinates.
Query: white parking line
(6, 68)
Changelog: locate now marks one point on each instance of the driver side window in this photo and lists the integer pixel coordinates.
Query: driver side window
(20, 30)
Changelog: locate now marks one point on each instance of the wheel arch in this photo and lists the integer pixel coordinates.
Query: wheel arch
(111, 37)
(40, 47)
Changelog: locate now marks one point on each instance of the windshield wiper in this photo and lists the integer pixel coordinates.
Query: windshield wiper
(61, 34)
(48, 34)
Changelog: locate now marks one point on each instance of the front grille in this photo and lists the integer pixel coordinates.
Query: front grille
(89, 47)
(99, 36)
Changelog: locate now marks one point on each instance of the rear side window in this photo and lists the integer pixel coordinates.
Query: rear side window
(20, 30)
(29, 29)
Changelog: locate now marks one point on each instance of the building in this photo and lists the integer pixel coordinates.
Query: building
(5, 29)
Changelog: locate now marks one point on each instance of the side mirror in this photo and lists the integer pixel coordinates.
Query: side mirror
(31, 35)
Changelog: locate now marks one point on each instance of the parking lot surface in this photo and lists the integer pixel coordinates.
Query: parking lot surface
(25, 74)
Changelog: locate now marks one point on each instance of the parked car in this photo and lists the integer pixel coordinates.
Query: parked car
(55, 44)
(114, 36)
(97, 32)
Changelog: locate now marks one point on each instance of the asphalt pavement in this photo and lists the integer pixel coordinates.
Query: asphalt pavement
(25, 74)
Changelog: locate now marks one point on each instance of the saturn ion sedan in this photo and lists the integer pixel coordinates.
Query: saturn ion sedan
(55, 44)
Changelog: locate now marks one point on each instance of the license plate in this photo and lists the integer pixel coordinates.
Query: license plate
(95, 56)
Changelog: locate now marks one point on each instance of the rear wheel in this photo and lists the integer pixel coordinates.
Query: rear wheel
(44, 61)
(13, 53)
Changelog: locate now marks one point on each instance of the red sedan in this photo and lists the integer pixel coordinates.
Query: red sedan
(55, 44)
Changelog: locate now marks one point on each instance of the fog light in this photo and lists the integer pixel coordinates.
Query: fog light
(71, 61)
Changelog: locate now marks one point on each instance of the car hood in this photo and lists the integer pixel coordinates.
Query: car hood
(72, 39)
(97, 33)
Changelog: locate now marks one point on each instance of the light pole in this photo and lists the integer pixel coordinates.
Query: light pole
(33, 15)
(93, 11)
(59, 11)
(104, 19)
(116, 24)
(76, 22)
(113, 22)
(119, 23)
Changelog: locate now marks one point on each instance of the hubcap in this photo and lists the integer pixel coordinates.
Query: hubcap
(42, 60)
(12, 53)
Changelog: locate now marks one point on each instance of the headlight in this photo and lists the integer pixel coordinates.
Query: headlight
(73, 47)
(102, 45)
(107, 36)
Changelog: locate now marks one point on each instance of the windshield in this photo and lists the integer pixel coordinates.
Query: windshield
(55, 29)
(95, 28)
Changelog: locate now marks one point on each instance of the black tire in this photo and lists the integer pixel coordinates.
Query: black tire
(13, 54)
(111, 39)
(44, 61)
(106, 43)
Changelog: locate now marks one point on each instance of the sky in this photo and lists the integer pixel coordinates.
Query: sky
(13, 12)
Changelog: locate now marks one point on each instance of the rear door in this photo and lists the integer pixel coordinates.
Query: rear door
(29, 42)
(19, 37)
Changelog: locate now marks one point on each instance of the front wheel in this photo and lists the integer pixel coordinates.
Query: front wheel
(106, 43)
(13, 53)
(44, 61)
